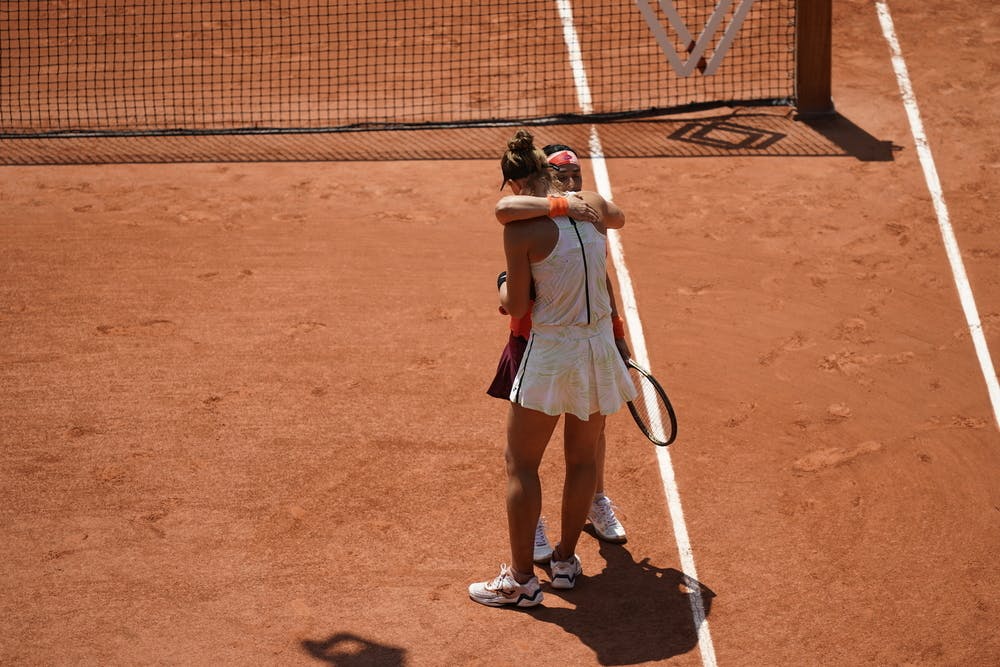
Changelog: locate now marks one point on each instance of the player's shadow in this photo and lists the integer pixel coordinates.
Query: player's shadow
(631, 612)
(349, 650)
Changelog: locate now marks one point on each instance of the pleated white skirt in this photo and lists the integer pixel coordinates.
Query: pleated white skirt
(572, 370)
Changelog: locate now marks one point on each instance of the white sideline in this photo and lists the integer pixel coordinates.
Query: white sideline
(944, 223)
(638, 341)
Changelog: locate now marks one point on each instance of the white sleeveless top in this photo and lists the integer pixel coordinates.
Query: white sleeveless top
(570, 283)
(571, 364)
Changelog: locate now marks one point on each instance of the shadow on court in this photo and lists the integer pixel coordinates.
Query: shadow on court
(853, 140)
(631, 612)
(830, 135)
(740, 132)
(348, 650)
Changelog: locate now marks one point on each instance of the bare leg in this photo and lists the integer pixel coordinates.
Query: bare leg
(581, 478)
(528, 433)
(599, 461)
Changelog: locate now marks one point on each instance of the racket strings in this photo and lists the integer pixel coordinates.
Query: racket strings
(650, 406)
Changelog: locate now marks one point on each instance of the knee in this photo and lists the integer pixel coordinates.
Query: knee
(519, 467)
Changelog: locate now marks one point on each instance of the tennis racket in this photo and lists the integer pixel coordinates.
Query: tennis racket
(651, 408)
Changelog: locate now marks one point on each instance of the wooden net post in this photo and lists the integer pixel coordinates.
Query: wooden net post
(813, 57)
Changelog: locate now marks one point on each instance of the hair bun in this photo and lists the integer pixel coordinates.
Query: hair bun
(522, 142)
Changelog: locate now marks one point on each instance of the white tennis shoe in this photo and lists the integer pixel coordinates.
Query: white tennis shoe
(504, 590)
(565, 572)
(543, 550)
(606, 524)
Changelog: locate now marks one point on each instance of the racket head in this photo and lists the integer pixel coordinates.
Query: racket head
(651, 409)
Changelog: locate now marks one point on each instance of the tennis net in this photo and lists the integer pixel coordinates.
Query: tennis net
(121, 67)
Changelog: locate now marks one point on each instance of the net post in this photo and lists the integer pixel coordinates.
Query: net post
(813, 56)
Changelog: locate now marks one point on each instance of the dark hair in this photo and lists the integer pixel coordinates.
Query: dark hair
(555, 148)
(522, 159)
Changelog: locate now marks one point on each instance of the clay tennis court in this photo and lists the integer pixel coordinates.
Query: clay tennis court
(244, 420)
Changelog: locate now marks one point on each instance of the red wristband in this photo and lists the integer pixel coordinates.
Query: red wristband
(618, 326)
(558, 206)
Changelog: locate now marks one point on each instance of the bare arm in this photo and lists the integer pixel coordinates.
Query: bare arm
(515, 293)
(620, 342)
(613, 217)
(525, 207)
(610, 216)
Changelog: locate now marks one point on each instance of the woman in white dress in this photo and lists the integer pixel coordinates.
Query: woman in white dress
(570, 367)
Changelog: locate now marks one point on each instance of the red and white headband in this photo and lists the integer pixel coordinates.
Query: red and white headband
(563, 158)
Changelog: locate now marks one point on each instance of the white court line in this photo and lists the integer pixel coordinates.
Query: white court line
(638, 340)
(947, 233)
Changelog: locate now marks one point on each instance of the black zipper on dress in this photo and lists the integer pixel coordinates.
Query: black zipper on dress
(586, 276)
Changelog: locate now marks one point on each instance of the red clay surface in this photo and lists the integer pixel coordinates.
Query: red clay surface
(244, 420)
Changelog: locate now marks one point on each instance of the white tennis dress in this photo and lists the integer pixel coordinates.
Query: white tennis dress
(571, 364)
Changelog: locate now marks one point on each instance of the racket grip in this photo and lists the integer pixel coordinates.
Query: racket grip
(502, 278)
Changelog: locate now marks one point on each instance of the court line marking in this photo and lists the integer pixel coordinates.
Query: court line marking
(944, 221)
(627, 294)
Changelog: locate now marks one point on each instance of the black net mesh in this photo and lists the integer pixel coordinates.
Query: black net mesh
(118, 67)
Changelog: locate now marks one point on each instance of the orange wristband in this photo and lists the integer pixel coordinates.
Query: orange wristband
(558, 206)
(618, 326)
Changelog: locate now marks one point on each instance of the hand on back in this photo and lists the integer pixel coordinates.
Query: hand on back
(581, 210)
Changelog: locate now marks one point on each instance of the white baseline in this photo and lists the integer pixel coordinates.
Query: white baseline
(944, 222)
(638, 340)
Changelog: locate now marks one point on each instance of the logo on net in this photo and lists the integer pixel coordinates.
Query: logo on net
(696, 48)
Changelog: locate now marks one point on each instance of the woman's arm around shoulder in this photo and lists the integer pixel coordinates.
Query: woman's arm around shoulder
(612, 217)
(525, 207)
(520, 207)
